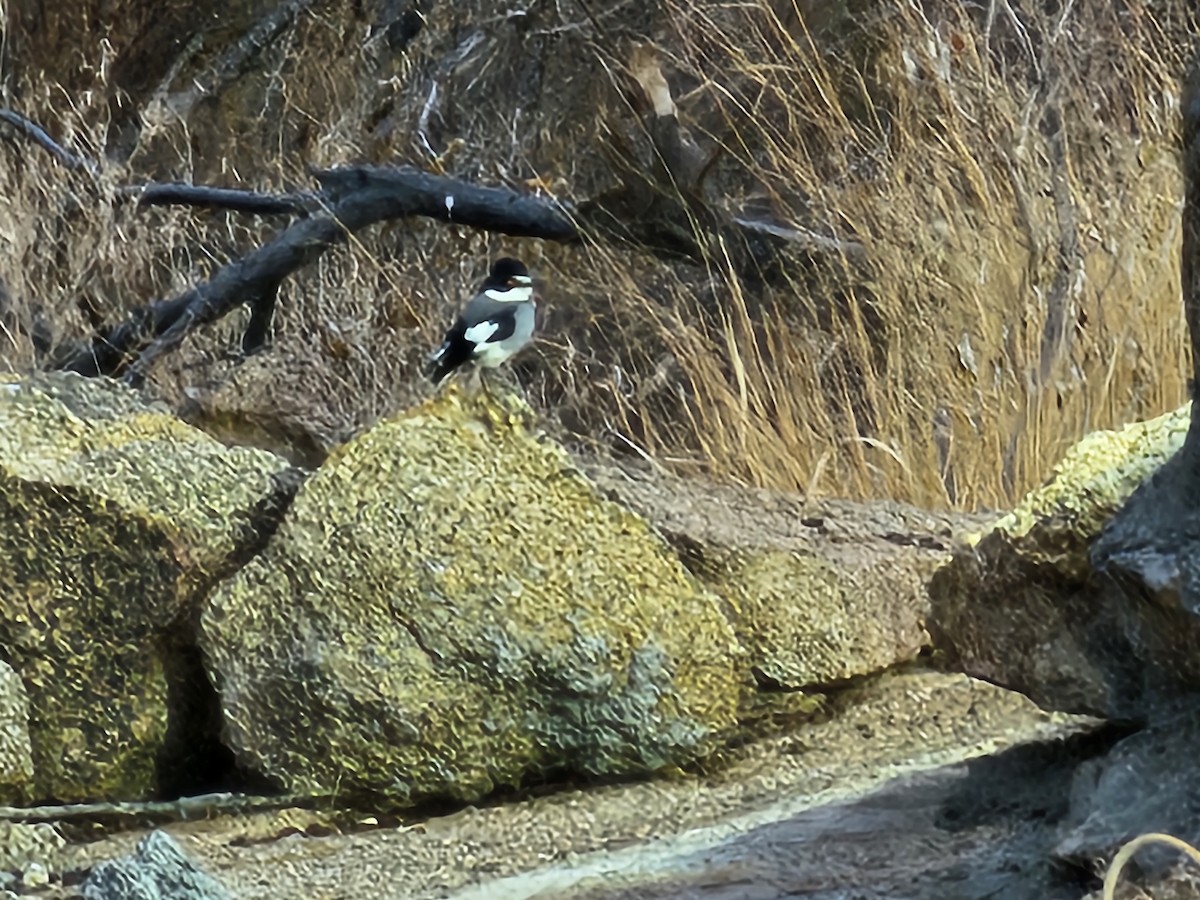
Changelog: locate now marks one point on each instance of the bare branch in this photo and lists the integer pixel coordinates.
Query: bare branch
(379, 192)
(235, 199)
(669, 184)
(183, 808)
(235, 61)
(39, 136)
(351, 199)
(355, 197)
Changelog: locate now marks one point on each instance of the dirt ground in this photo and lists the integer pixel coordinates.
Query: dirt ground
(791, 816)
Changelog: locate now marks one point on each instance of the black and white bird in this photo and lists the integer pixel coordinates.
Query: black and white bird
(494, 325)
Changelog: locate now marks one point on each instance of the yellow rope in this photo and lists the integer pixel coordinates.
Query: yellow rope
(1126, 853)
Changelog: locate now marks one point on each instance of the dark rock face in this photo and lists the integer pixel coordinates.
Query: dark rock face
(117, 518)
(1022, 606)
(1147, 782)
(1150, 550)
(1087, 598)
(158, 870)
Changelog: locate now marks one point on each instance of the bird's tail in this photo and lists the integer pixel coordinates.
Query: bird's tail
(436, 368)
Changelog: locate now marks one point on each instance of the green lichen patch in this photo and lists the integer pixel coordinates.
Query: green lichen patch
(1096, 476)
(818, 592)
(16, 760)
(114, 517)
(808, 621)
(22, 844)
(449, 606)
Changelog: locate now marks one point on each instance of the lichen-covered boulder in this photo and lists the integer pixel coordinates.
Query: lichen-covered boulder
(16, 759)
(114, 518)
(449, 606)
(818, 592)
(1020, 605)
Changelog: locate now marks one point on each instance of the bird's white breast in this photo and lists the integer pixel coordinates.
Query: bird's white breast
(491, 355)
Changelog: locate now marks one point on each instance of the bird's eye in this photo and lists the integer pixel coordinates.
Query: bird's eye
(512, 282)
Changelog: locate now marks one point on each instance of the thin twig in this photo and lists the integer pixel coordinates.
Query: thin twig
(1125, 854)
(236, 199)
(183, 808)
(804, 238)
(39, 136)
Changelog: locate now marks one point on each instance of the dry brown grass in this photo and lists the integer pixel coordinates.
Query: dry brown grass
(1023, 289)
(982, 344)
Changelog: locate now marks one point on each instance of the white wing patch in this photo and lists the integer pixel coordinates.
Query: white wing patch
(481, 333)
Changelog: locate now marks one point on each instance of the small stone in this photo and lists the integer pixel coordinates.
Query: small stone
(35, 875)
(158, 870)
(22, 844)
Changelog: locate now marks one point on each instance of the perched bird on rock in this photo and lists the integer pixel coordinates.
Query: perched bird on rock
(494, 325)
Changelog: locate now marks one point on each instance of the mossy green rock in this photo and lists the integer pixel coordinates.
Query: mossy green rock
(1020, 606)
(114, 518)
(812, 621)
(818, 592)
(16, 759)
(449, 607)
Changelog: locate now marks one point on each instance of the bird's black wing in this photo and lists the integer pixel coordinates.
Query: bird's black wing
(505, 320)
(498, 321)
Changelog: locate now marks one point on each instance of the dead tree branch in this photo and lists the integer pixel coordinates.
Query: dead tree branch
(400, 192)
(183, 808)
(234, 199)
(236, 60)
(660, 206)
(39, 136)
(350, 200)
(662, 202)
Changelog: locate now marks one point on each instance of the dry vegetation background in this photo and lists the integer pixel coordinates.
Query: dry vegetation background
(1009, 169)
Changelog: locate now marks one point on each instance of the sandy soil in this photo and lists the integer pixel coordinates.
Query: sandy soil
(621, 840)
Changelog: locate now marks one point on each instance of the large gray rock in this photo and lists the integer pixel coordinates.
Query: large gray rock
(1021, 605)
(1148, 782)
(449, 606)
(115, 518)
(818, 592)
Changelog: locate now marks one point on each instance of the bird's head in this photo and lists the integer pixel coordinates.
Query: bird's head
(508, 281)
